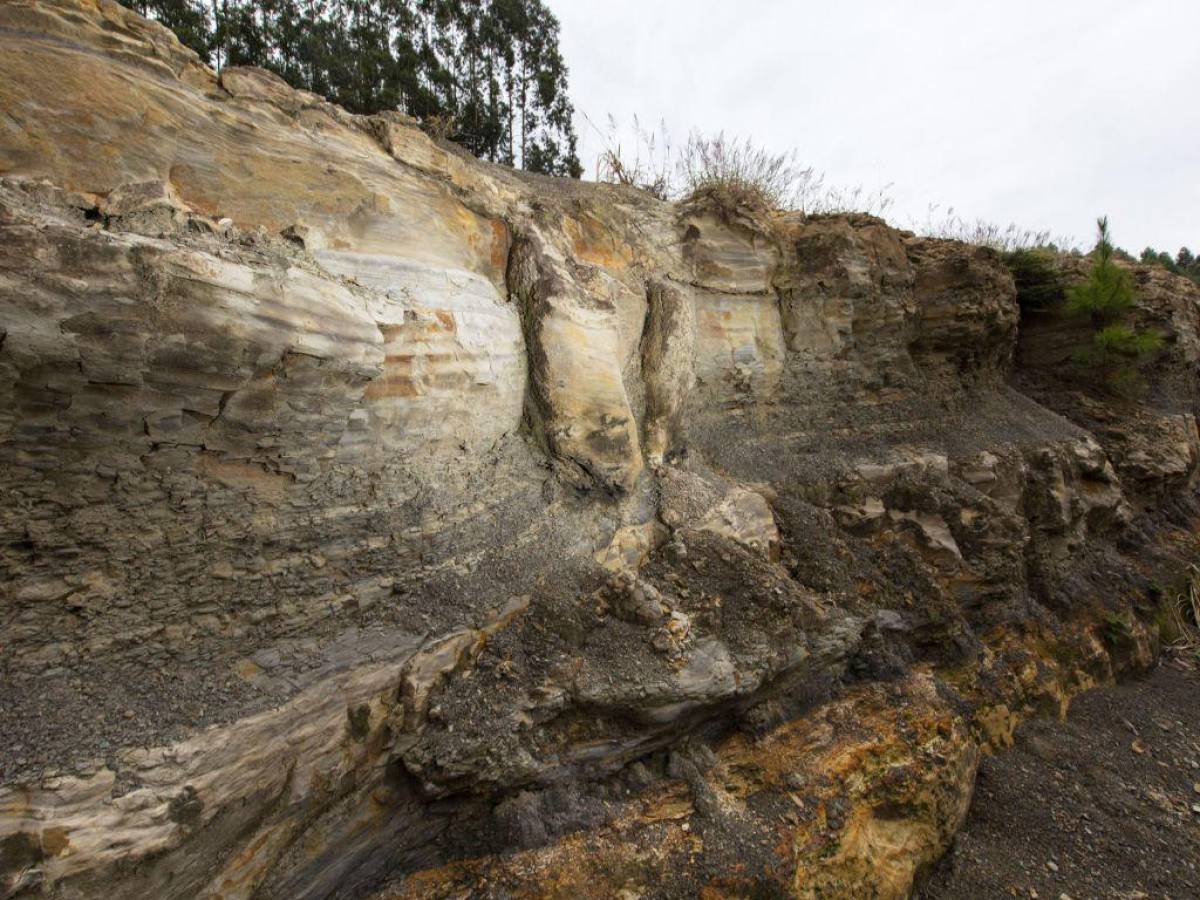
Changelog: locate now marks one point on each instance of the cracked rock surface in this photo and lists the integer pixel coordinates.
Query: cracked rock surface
(378, 522)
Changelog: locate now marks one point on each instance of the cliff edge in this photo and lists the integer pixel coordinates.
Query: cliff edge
(380, 522)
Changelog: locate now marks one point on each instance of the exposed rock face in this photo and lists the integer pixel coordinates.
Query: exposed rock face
(1150, 437)
(378, 522)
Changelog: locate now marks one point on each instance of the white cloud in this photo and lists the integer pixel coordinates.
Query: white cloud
(1042, 113)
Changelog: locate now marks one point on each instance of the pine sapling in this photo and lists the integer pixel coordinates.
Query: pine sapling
(1116, 348)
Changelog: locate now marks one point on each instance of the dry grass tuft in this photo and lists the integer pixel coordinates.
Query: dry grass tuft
(1009, 238)
(734, 175)
(1183, 616)
(647, 168)
(737, 175)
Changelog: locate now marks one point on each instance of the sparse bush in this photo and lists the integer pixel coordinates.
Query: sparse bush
(1116, 348)
(1003, 238)
(738, 175)
(815, 198)
(735, 174)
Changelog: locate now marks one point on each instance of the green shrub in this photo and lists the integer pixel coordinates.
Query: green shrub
(1039, 285)
(1116, 349)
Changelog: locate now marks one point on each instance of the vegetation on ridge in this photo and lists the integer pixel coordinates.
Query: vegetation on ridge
(1105, 300)
(734, 174)
(1039, 286)
(1184, 263)
(486, 74)
(1011, 238)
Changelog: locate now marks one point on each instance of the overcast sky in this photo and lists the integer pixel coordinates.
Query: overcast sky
(1042, 113)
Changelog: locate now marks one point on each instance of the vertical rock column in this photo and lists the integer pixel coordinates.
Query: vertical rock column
(577, 401)
(668, 365)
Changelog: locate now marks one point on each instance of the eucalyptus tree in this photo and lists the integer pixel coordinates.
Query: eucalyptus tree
(488, 74)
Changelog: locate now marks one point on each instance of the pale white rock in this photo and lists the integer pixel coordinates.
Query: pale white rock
(454, 355)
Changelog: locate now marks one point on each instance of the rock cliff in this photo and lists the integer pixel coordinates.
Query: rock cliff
(382, 523)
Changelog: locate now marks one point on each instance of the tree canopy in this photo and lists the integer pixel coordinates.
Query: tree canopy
(488, 72)
(1183, 263)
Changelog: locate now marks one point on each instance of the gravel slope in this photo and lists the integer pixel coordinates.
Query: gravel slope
(1106, 805)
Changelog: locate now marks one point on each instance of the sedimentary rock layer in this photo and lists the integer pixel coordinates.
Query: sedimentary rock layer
(379, 522)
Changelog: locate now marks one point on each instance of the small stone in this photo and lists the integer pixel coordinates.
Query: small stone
(1052, 866)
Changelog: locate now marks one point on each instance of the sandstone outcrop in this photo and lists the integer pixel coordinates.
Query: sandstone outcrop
(382, 523)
